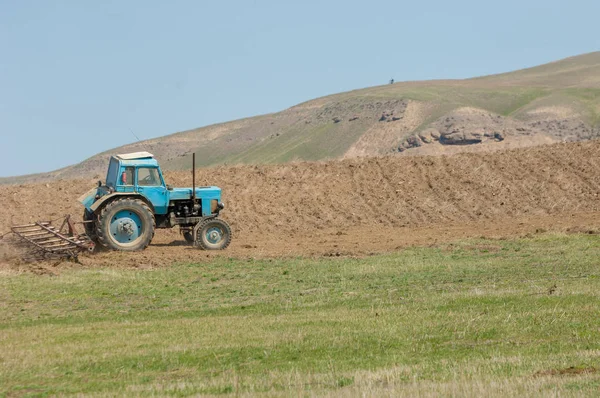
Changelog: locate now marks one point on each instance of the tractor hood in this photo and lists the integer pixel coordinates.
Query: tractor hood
(201, 193)
(210, 197)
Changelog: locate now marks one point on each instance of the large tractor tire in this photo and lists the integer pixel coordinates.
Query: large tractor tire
(213, 234)
(126, 225)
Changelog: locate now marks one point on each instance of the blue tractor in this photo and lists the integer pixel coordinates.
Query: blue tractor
(123, 213)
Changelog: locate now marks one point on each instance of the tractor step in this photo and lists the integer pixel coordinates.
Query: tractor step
(45, 241)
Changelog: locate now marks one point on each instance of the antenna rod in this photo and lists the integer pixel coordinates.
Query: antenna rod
(136, 137)
(140, 141)
(194, 176)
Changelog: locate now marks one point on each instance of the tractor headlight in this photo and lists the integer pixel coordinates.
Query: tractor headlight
(214, 205)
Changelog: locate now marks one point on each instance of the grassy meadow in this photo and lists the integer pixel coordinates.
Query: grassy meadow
(475, 318)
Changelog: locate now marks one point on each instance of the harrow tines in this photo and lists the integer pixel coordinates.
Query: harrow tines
(42, 241)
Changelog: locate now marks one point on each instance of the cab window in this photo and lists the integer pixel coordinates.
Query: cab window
(126, 177)
(148, 177)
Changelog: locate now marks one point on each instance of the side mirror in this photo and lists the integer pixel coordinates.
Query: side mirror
(99, 183)
(169, 188)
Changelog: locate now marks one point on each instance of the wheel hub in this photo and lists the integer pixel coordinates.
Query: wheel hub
(214, 235)
(125, 227)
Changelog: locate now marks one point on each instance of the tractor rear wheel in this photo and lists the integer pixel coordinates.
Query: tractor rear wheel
(125, 224)
(213, 234)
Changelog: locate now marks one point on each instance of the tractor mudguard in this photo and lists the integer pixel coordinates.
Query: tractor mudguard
(88, 198)
(99, 204)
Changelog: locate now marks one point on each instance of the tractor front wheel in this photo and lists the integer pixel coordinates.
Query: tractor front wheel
(188, 236)
(213, 234)
(125, 224)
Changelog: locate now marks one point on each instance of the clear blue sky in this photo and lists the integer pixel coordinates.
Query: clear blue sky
(76, 75)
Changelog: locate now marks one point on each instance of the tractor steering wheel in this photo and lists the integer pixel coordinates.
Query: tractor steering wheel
(148, 180)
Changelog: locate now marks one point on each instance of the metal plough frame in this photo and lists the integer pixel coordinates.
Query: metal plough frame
(44, 241)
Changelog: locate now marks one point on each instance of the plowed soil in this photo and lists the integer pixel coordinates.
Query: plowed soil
(360, 206)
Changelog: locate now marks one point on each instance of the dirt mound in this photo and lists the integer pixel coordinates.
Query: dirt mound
(276, 205)
(411, 191)
(388, 191)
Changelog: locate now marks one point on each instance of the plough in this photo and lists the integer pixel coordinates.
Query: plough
(43, 241)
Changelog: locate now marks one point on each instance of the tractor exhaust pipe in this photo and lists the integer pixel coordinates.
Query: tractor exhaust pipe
(194, 176)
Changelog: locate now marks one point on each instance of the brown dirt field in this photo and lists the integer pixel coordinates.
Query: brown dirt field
(361, 206)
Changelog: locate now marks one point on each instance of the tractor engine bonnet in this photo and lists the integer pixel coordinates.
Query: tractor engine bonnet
(201, 193)
(209, 197)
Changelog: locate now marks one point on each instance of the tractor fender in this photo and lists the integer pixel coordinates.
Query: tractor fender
(106, 199)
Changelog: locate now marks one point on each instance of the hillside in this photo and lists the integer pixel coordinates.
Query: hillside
(556, 102)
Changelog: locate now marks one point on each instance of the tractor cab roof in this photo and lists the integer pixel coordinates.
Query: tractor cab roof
(135, 155)
(136, 159)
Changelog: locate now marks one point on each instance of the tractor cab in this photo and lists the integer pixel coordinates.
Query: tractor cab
(125, 172)
(138, 173)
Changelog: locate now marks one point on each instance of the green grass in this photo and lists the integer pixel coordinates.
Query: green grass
(505, 101)
(590, 97)
(310, 143)
(476, 318)
(501, 100)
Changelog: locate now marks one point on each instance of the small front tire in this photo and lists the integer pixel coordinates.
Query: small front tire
(189, 237)
(213, 234)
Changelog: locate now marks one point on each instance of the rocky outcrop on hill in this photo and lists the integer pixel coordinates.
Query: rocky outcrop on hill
(468, 126)
(567, 130)
(457, 137)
